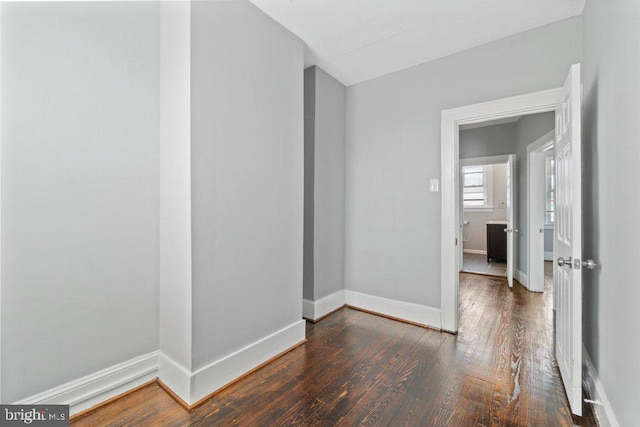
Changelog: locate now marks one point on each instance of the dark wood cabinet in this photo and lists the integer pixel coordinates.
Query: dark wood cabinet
(496, 242)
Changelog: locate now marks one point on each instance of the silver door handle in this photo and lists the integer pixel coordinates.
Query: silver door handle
(562, 262)
(589, 264)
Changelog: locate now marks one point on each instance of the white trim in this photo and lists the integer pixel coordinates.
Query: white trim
(511, 218)
(313, 310)
(548, 256)
(532, 103)
(0, 206)
(308, 309)
(535, 208)
(485, 160)
(479, 209)
(215, 375)
(591, 382)
(411, 312)
(95, 388)
(474, 251)
(175, 376)
(193, 386)
(543, 143)
(522, 278)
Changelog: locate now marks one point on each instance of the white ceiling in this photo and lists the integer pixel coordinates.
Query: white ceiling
(357, 40)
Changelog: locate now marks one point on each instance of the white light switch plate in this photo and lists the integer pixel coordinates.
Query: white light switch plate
(433, 185)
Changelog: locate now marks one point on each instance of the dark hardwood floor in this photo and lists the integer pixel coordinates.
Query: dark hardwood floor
(361, 369)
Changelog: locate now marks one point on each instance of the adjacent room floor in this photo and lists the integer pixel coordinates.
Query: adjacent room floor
(357, 368)
(476, 263)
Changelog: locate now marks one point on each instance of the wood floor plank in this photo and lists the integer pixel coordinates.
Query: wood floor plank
(360, 369)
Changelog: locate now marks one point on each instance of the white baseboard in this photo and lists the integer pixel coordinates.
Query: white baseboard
(95, 388)
(175, 376)
(313, 310)
(221, 372)
(521, 277)
(411, 312)
(548, 256)
(191, 387)
(591, 381)
(308, 309)
(474, 251)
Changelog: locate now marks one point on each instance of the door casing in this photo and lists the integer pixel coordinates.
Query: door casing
(535, 210)
(451, 120)
(477, 161)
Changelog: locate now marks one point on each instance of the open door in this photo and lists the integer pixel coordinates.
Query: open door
(510, 230)
(461, 221)
(567, 277)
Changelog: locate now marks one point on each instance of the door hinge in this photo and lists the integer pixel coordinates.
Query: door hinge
(456, 241)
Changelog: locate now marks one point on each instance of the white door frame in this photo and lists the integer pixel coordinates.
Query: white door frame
(0, 198)
(535, 207)
(537, 102)
(478, 161)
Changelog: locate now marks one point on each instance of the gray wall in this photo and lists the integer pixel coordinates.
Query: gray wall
(529, 129)
(548, 240)
(309, 176)
(247, 177)
(325, 105)
(392, 237)
(611, 101)
(80, 85)
(511, 138)
(485, 141)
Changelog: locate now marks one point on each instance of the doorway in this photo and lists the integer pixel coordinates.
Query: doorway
(484, 204)
(537, 102)
(567, 275)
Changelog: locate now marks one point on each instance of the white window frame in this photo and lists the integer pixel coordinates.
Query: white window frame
(487, 185)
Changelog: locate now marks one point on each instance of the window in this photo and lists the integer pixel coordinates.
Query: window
(477, 187)
(550, 190)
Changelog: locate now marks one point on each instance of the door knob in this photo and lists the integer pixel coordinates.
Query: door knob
(562, 262)
(589, 264)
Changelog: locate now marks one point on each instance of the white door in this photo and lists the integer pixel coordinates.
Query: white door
(567, 277)
(461, 221)
(510, 229)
